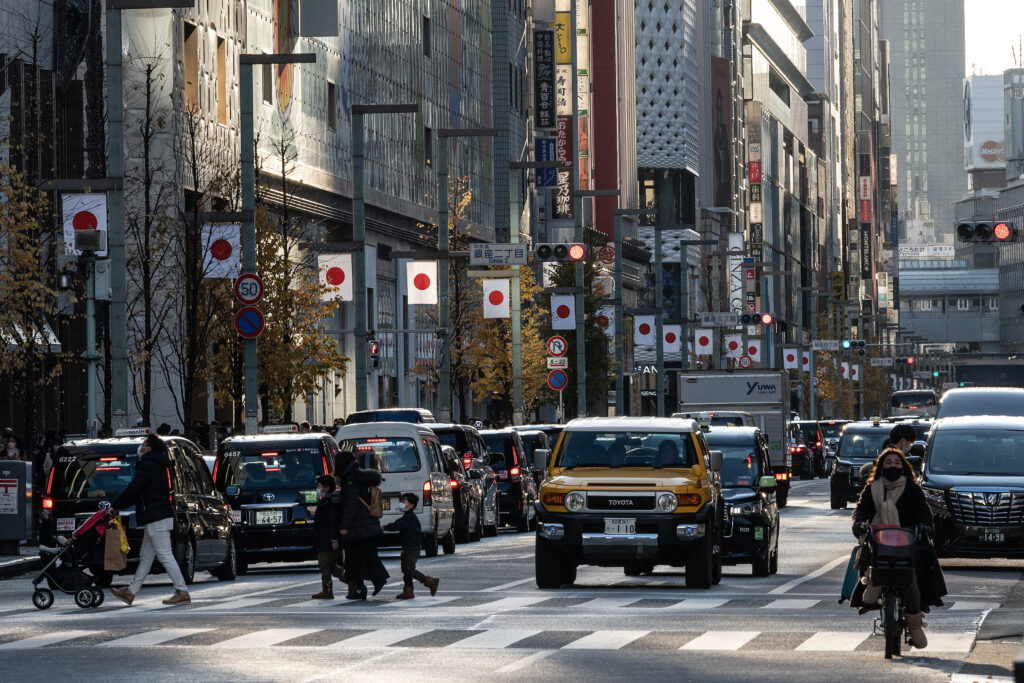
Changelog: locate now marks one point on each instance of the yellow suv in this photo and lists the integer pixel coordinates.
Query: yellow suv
(631, 492)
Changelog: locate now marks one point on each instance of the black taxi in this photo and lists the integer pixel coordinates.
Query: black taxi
(89, 472)
(269, 480)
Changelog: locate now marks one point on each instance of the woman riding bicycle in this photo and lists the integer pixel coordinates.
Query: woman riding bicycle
(892, 497)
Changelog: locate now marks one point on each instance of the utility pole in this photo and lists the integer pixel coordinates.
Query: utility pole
(619, 329)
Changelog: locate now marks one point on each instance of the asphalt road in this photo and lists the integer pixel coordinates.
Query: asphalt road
(489, 621)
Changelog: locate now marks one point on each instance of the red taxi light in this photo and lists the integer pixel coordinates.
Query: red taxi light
(324, 459)
(216, 466)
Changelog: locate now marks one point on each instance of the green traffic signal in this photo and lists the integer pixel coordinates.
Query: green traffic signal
(846, 343)
(935, 373)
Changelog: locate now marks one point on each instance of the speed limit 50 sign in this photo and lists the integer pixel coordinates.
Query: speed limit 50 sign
(249, 288)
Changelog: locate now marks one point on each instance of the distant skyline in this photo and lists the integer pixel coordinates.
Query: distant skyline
(992, 28)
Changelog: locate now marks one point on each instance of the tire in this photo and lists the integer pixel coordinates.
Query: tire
(448, 542)
(716, 560)
(490, 530)
(782, 499)
(188, 562)
(773, 565)
(97, 597)
(568, 573)
(699, 564)
(84, 598)
(523, 521)
(478, 532)
(243, 565)
(461, 527)
(42, 598)
(429, 545)
(762, 566)
(806, 470)
(549, 566)
(229, 570)
(635, 568)
(893, 631)
(837, 503)
(533, 521)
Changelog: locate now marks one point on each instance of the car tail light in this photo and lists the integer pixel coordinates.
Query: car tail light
(49, 483)
(216, 466)
(455, 483)
(794, 449)
(817, 444)
(467, 459)
(324, 459)
(781, 476)
(514, 472)
(110, 459)
(47, 503)
(428, 488)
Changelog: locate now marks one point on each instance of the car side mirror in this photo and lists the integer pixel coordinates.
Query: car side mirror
(231, 490)
(540, 459)
(766, 482)
(830, 454)
(915, 461)
(716, 460)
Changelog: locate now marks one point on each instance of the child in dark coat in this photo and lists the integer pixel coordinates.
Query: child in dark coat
(410, 534)
(325, 536)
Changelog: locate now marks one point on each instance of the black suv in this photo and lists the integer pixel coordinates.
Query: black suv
(748, 486)
(465, 439)
(859, 444)
(810, 436)
(517, 490)
(269, 480)
(415, 415)
(974, 483)
(87, 472)
(534, 440)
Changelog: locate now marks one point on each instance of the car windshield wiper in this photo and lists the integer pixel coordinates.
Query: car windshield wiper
(588, 464)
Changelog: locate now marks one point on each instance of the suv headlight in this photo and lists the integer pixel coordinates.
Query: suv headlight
(667, 502)
(574, 501)
(842, 468)
(936, 497)
(745, 510)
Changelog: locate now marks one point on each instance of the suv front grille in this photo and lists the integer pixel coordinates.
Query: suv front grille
(995, 508)
(620, 501)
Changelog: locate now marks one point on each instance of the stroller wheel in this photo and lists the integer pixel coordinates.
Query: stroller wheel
(97, 597)
(42, 598)
(84, 598)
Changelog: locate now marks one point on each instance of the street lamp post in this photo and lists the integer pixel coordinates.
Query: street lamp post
(359, 238)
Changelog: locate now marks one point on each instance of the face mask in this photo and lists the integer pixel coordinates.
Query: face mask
(892, 473)
(406, 507)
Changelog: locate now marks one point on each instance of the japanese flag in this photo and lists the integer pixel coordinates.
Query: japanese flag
(855, 372)
(892, 381)
(806, 362)
(672, 338)
(643, 330)
(606, 320)
(846, 370)
(421, 282)
(222, 246)
(702, 342)
(789, 359)
(754, 350)
(496, 303)
(563, 312)
(82, 212)
(733, 345)
(336, 275)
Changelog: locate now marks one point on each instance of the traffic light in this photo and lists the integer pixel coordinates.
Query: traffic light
(909, 360)
(986, 231)
(765, 319)
(560, 252)
(935, 373)
(373, 352)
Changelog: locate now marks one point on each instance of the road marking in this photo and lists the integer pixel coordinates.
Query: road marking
(605, 640)
(525, 661)
(789, 585)
(422, 602)
(353, 665)
(695, 604)
(833, 641)
(44, 640)
(494, 639)
(949, 642)
(970, 605)
(157, 637)
(506, 604)
(721, 640)
(606, 603)
(267, 637)
(381, 638)
(503, 586)
(241, 603)
(790, 603)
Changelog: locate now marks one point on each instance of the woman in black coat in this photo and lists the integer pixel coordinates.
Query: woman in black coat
(360, 531)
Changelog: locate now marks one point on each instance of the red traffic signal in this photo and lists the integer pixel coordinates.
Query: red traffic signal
(560, 252)
(986, 231)
(577, 252)
(767, 318)
(1002, 232)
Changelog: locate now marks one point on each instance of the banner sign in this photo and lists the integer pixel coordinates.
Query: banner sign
(544, 78)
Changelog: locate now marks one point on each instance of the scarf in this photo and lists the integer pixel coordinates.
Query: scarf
(886, 494)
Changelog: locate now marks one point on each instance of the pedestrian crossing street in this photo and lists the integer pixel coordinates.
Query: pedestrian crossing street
(477, 639)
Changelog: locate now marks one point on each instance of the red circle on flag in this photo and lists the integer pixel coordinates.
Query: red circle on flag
(562, 311)
(421, 281)
(703, 341)
(335, 276)
(806, 360)
(602, 321)
(733, 346)
(645, 329)
(752, 350)
(84, 220)
(670, 337)
(220, 249)
(496, 298)
(790, 358)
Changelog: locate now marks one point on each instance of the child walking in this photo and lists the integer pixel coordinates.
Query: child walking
(325, 533)
(411, 536)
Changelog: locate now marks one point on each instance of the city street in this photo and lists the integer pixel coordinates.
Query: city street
(489, 621)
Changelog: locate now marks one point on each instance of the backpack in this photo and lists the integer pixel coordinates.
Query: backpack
(376, 504)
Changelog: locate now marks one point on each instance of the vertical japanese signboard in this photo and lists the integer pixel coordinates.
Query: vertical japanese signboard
(544, 78)
(865, 251)
(545, 151)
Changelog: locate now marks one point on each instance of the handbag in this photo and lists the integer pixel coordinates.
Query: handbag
(376, 504)
(115, 547)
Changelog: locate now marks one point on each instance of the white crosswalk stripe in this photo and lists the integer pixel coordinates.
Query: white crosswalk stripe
(949, 642)
(157, 637)
(241, 603)
(833, 641)
(267, 637)
(973, 605)
(605, 640)
(791, 603)
(605, 603)
(381, 638)
(422, 602)
(694, 604)
(506, 604)
(44, 640)
(496, 639)
(721, 640)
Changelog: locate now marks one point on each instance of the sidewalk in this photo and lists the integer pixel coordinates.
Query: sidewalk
(15, 565)
(1000, 640)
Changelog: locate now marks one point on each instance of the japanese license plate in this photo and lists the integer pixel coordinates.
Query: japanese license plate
(236, 516)
(992, 536)
(618, 526)
(386, 503)
(270, 516)
(65, 524)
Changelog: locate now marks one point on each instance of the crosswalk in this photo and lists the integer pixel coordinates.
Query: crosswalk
(484, 639)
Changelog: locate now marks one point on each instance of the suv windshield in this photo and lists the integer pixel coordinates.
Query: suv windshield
(862, 445)
(911, 400)
(740, 467)
(93, 471)
(501, 443)
(809, 433)
(977, 451)
(831, 430)
(384, 455)
(385, 416)
(626, 449)
(456, 438)
(265, 465)
(957, 404)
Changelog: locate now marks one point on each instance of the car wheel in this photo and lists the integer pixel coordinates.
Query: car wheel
(478, 531)
(568, 573)
(490, 530)
(773, 564)
(42, 598)
(229, 570)
(699, 563)
(762, 566)
(523, 520)
(633, 568)
(716, 561)
(187, 564)
(837, 503)
(243, 565)
(449, 542)
(430, 545)
(806, 470)
(462, 528)
(549, 565)
(782, 498)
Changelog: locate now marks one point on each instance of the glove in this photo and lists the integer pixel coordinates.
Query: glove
(860, 529)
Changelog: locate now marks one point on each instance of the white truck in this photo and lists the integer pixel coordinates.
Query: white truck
(764, 394)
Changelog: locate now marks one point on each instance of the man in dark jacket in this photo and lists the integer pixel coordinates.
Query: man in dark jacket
(360, 531)
(325, 536)
(150, 492)
(410, 534)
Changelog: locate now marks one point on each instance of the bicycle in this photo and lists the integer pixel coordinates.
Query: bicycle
(892, 569)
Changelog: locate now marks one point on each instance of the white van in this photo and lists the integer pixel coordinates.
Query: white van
(408, 456)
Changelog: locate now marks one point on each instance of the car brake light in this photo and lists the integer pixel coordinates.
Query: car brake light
(781, 476)
(377, 440)
(817, 444)
(112, 459)
(514, 472)
(467, 459)
(324, 459)
(47, 503)
(427, 490)
(269, 454)
(455, 483)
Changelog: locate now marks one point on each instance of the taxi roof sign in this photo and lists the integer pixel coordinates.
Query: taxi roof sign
(133, 431)
(281, 429)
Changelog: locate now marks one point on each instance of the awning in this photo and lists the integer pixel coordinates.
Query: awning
(43, 336)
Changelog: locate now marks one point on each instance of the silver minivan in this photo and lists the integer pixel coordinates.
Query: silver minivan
(408, 456)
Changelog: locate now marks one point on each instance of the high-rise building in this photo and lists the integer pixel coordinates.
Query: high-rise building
(984, 132)
(926, 38)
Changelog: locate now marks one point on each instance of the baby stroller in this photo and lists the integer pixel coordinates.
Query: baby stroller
(65, 567)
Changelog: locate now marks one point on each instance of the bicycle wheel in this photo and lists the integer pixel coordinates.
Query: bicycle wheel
(893, 631)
